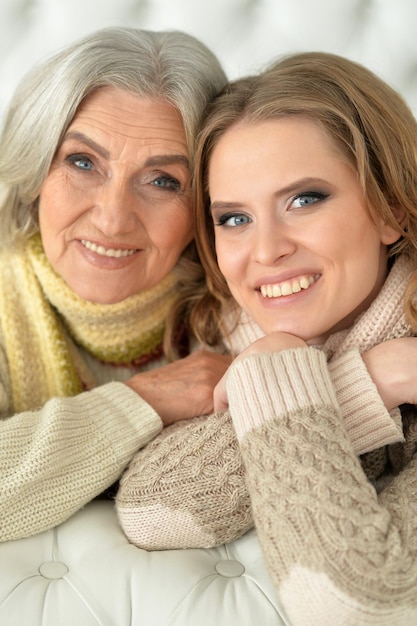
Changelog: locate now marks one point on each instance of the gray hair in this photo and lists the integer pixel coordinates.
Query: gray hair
(171, 65)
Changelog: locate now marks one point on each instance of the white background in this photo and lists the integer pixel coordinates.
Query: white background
(245, 34)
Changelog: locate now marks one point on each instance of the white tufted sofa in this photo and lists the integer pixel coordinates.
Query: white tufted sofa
(85, 573)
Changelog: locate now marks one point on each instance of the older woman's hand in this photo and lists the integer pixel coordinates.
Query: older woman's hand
(182, 389)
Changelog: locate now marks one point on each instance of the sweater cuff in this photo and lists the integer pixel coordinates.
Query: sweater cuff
(261, 387)
(131, 422)
(368, 422)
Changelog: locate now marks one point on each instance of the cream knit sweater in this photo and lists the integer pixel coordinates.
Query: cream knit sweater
(55, 459)
(339, 550)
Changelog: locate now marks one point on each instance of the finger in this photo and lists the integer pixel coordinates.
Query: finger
(220, 400)
(220, 405)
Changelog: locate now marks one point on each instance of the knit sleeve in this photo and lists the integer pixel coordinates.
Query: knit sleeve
(369, 424)
(55, 460)
(186, 488)
(192, 474)
(338, 552)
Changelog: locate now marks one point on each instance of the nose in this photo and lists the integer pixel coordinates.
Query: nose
(115, 208)
(272, 242)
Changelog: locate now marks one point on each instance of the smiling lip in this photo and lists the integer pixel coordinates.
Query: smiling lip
(116, 253)
(288, 287)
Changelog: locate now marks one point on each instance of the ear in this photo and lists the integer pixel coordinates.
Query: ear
(390, 235)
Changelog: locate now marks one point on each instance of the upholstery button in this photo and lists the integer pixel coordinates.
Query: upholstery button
(230, 569)
(53, 570)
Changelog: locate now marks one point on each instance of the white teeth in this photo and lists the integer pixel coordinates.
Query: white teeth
(106, 251)
(288, 287)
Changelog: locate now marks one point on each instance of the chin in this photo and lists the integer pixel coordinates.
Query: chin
(104, 301)
(99, 296)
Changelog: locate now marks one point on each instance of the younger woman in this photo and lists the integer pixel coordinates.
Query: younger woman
(307, 215)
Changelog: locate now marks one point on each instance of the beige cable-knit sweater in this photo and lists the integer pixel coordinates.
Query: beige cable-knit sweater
(339, 550)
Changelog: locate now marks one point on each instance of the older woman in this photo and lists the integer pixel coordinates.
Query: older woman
(96, 231)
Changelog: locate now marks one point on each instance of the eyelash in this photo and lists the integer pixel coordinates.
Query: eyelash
(317, 195)
(226, 217)
(73, 159)
(173, 184)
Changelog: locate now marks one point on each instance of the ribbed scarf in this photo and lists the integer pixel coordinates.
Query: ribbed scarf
(42, 318)
(383, 320)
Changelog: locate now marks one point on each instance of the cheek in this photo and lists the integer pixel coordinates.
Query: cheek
(345, 238)
(364, 244)
(175, 234)
(48, 218)
(182, 239)
(53, 219)
(56, 201)
(230, 261)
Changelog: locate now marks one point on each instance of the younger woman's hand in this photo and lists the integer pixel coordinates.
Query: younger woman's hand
(274, 342)
(392, 366)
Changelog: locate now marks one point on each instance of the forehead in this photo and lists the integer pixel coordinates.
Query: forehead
(118, 113)
(291, 140)
(282, 128)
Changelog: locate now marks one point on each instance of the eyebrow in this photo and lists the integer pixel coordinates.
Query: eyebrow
(225, 206)
(160, 160)
(88, 142)
(293, 187)
(167, 159)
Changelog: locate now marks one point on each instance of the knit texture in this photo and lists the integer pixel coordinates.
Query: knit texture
(213, 506)
(60, 448)
(55, 460)
(41, 317)
(369, 424)
(336, 554)
(164, 502)
(324, 533)
(336, 551)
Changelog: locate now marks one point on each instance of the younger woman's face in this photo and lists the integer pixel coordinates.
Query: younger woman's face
(298, 247)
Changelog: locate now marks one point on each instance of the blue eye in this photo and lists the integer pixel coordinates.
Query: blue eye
(307, 199)
(81, 162)
(232, 220)
(166, 182)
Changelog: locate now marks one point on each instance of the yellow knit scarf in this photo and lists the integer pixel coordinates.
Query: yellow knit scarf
(41, 317)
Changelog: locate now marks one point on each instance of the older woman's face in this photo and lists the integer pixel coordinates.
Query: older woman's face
(115, 209)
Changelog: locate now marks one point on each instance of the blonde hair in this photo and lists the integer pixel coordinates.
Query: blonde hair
(369, 122)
